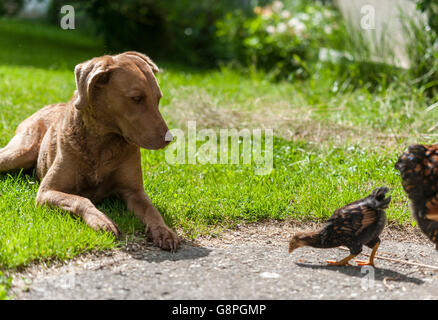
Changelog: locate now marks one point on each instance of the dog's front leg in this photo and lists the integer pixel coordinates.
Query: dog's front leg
(141, 205)
(78, 206)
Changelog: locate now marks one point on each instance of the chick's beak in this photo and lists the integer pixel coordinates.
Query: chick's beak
(292, 245)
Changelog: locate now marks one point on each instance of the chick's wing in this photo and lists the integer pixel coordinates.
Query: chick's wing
(353, 218)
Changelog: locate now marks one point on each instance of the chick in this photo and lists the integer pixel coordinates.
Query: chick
(419, 172)
(358, 223)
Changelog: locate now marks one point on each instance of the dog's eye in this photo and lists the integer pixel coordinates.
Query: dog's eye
(137, 99)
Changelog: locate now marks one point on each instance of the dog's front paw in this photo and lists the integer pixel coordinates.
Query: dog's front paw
(163, 237)
(102, 222)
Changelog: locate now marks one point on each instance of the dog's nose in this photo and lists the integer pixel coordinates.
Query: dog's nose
(168, 137)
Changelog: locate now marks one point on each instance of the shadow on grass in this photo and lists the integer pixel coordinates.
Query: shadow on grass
(36, 44)
(113, 207)
(116, 209)
(355, 271)
(16, 178)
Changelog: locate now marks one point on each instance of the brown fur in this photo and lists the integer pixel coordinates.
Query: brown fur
(89, 148)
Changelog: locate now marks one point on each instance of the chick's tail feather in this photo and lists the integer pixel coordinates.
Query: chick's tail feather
(378, 200)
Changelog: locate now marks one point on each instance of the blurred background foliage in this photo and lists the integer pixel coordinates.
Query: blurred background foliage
(10, 7)
(424, 51)
(184, 29)
(430, 7)
(290, 39)
(280, 37)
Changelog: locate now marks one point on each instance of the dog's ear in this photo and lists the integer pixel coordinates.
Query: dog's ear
(144, 58)
(89, 75)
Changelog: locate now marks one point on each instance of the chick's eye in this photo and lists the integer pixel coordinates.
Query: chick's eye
(137, 99)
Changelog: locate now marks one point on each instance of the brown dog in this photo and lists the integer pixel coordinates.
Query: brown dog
(89, 148)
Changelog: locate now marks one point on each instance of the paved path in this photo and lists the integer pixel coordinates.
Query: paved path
(246, 265)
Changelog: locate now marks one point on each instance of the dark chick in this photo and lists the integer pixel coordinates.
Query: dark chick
(419, 172)
(357, 224)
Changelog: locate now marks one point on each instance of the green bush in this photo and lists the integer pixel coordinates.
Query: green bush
(10, 7)
(430, 7)
(281, 38)
(183, 30)
(423, 51)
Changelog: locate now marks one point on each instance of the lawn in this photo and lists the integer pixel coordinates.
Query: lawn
(332, 145)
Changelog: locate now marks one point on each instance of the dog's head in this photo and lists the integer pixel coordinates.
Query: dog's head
(122, 95)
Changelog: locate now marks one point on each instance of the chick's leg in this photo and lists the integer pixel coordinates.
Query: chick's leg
(370, 262)
(343, 262)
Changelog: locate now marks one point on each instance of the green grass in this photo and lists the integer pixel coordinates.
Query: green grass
(309, 181)
(5, 284)
(306, 183)
(29, 233)
(35, 44)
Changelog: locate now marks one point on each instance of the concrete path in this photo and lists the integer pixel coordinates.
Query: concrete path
(244, 264)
